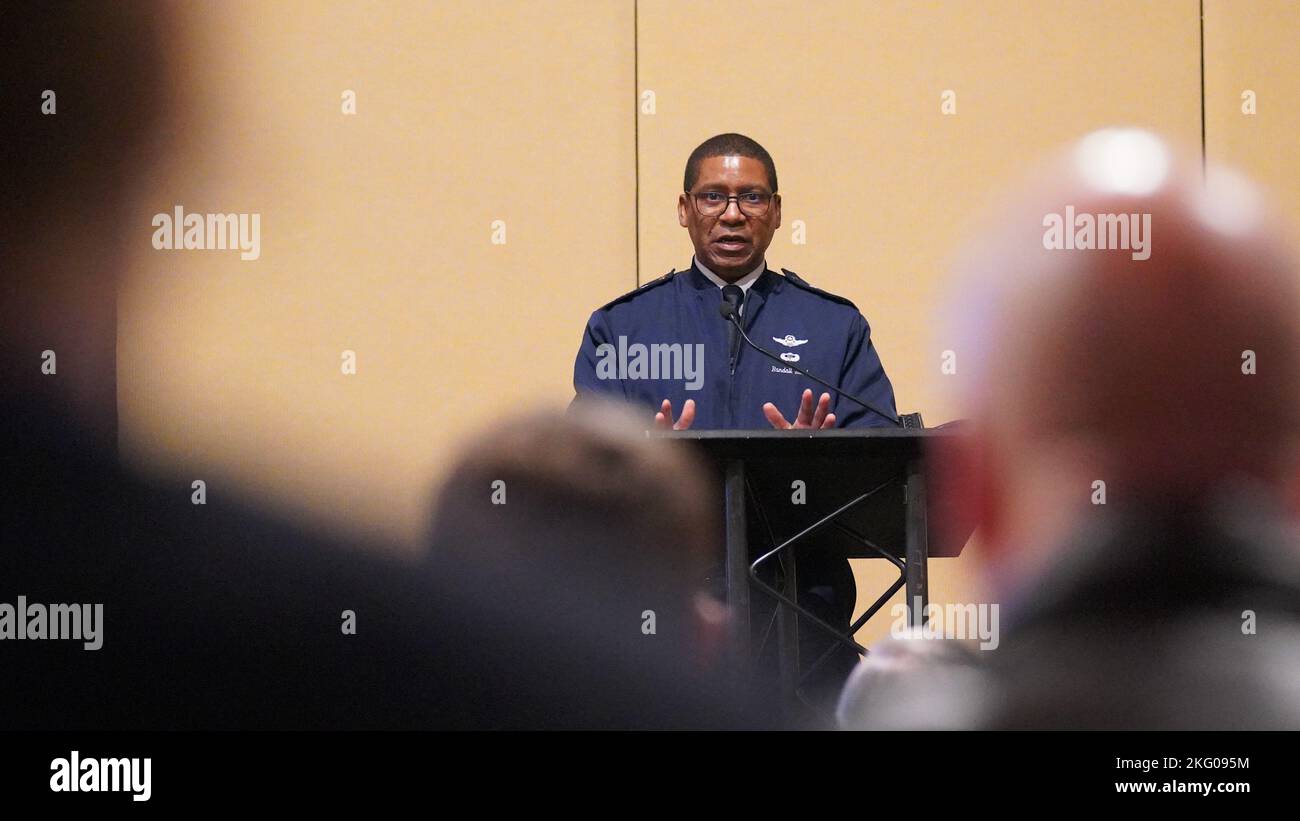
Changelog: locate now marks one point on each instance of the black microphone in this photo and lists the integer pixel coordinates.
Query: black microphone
(729, 313)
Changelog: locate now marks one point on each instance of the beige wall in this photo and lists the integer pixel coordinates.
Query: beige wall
(1255, 46)
(377, 227)
(376, 238)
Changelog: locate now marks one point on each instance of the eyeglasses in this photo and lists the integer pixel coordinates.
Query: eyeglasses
(714, 203)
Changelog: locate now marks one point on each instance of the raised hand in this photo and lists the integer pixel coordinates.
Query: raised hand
(817, 419)
(664, 418)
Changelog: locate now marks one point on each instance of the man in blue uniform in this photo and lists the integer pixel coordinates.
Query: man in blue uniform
(667, 346)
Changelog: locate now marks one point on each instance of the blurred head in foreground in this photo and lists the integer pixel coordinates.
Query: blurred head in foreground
(906, 683)
(582, 516)
(87, 89)
(1169, 373)
(1128, 346)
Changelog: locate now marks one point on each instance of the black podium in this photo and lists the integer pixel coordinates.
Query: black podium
(862, 492)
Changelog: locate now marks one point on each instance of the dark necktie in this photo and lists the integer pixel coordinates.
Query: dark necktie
(736, 296)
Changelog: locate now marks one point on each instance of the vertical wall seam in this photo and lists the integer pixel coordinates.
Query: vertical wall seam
(636, 132)
(1203, 150)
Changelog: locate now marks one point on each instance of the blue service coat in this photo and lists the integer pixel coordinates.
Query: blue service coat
(668, 340)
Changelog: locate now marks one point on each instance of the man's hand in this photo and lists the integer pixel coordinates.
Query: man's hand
(664, 418)
(807, 418)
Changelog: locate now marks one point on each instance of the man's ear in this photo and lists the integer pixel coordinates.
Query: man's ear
(682, 204)
(963, 488)
(776, 207)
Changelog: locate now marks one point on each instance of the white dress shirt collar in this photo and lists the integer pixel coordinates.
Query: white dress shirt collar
(744, 282)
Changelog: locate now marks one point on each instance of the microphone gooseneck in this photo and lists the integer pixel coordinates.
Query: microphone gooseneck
(731, 313)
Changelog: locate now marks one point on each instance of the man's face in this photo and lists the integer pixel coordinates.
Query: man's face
(732, 243)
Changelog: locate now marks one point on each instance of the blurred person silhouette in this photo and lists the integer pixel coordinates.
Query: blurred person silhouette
(608, 536)
(1135, 399)
(593, 544)
(579, 515)
(213, 616)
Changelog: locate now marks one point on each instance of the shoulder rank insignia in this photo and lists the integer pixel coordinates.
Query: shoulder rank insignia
(791, 276)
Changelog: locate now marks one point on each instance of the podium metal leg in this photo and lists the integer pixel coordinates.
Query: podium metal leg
(737, 564)
(918, 545)
(787, 630)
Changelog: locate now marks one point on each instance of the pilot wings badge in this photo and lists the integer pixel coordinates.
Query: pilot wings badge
(789, 341)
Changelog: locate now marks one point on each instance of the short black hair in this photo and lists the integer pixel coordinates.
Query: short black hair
(727, 145)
